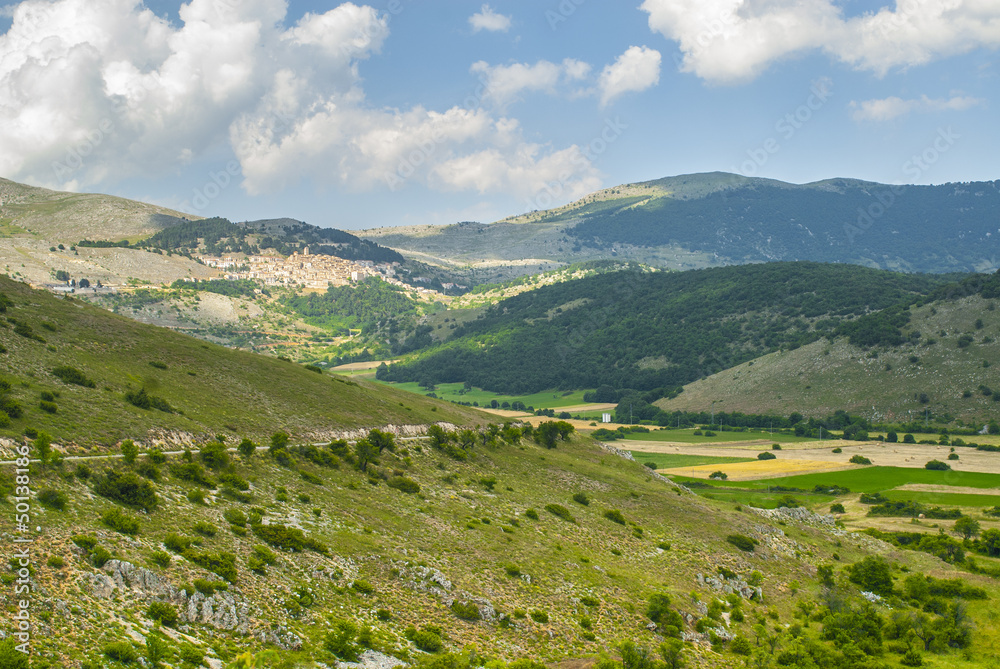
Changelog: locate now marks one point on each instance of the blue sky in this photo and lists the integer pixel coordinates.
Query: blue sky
(405, 112)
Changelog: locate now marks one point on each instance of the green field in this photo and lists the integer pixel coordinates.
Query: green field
(455, 392)
(759, 499)
(669, 460)
(944, 498)
(687, 436)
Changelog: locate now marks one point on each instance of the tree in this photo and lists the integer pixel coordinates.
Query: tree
(84, 283)
(438, 436)
(635, 656)
(892, 437)
(246, 448)
(966, 527)
(873, 574)
(215, 455)
(466, 439)
(366, 452)
(382, 440)
(43, 444)
(672, 652)
(909, 439)
(989, 542)
(546, 434)
(279, 440)
(129, 452)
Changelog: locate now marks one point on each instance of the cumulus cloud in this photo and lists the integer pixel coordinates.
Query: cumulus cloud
(97, 90)
(489, 20)
(635, 70)
(893, 107)
(503, 84)
(729, 41)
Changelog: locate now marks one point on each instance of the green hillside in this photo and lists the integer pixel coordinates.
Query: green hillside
(496, 552)
(211, 389)
(648, 330)
(942, 369)
(700, 220)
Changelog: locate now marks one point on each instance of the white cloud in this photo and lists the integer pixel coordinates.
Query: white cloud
(893, 107)
(503, 84)
(635, 70)
(97, 90)
(487, 19)
(728, 41)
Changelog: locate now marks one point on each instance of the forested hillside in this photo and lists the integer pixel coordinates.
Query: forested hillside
(643, 330)
(920, 228)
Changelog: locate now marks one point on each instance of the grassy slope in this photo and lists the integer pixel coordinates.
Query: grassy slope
(218, 389)
(69, 217)
(820, 378)
(383, 536)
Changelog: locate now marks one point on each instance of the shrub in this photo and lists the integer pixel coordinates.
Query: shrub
(120, 521)
(766, 455)
(234, 480)
(48, 407)
(465, 610)
(72, 375)
(404, 484)
(128, 489)
(937, 465)
(208, 588)
(540, 617)
(512, 570)
(581, 498)
(196, 497)
(309, 477)
(214, 455)
(205, 529)
(100, 556)
(615, 516)
(719, 476)
(177, 543)
(260, 558)
(235, 517)
(340, 640)
(287, 538)
(837, 508)
(362, 587)
(427, 641)
(121, 651)
(163, 613)
(53, 499)
(82, 472)
(741, 541)
(84, 541)
(909, 439)
(148, 470)
(953, 456)
(741, 645)
(838, 449)
(160, 559)
(10, 657)
(873, 574)
(859, 460)
(560, 511)
(222, 563)
(531, 513)
(192, 472)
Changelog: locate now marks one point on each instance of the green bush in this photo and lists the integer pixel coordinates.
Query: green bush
(766, 455)
(221, 563)
(100, 556)
(309, 477)
(48, 407)
(288, 538)
(859, 460)
(404, 484)
(540, 617)
(581, 498)
(873, 574)
(163, 613)
(197, 496)
(741, 541)
(56, 562)
(121, 651)
(340, 641)
(427, 641)
(127, 488)
(362, 587)
(205, 529)
(72, 375)
(615, 516)
(208, 588)
(937, 465)
(53, 499)
(235, 517)
(531, 513)
(177, 542)
(214, 455)
(120, 521)
(837, 508)
(160, 559)
(465, 610)
(261, 558)
(560, 511)
(193, 473)
(10, 657)
(84, 541)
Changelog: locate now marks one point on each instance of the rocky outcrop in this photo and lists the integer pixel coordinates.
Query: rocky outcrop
(221, 610)
(280, 637)
(731, 585)
(372, 659)
(628, 456)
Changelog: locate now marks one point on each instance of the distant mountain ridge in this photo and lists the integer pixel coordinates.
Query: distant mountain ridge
(717, 218)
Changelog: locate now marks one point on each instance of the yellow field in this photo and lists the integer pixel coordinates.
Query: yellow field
(761, 469)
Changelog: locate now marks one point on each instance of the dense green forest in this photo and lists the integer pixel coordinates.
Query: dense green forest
(832, 221)
(372, 305)
(217, 236)
(646, 331)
